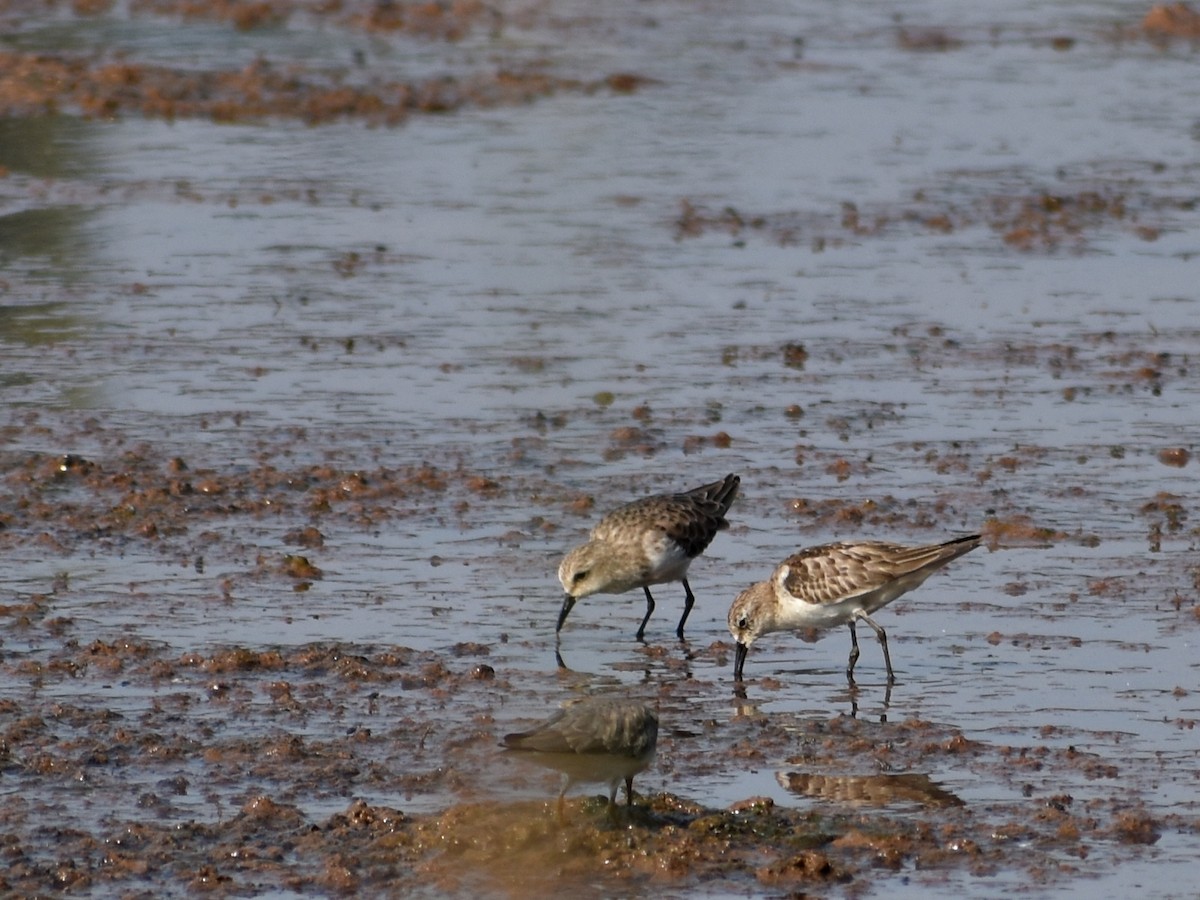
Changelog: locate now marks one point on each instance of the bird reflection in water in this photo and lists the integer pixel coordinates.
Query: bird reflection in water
(870, 790)
(602, 739)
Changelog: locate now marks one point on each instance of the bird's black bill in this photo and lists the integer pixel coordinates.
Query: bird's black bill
(568, 602)
(739, 660)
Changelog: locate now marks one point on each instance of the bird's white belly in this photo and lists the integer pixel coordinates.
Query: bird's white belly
(665, 559)
(797, 614)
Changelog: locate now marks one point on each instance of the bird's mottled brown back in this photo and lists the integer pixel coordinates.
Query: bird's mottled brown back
(691, 519)
(834, 572)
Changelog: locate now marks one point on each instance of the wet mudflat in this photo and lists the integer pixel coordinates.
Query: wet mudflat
(327, 329)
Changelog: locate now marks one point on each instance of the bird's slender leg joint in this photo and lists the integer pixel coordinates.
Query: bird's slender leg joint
(853, 653)
(879, 633)
(568, 602)
(687, 608)
(649, 610)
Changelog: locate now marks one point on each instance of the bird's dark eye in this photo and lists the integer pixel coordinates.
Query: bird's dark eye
(578, 577)
(743, 623)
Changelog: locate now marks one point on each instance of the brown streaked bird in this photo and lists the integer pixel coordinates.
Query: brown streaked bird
(599, 739)
(836, 584)
(649, 541)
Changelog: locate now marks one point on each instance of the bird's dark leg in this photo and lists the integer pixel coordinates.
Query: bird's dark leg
(879, 633)
(613, 815)
(649, 609)
(853, 652)
(629, 790)
(562, 806)
(687, 608)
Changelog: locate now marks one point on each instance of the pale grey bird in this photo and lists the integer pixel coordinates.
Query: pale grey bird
(649, 541)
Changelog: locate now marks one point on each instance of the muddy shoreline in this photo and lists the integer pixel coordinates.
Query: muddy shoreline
(253, 766)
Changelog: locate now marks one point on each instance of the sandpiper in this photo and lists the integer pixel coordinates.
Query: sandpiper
(834, 584)
(599, 739)
(649, 541)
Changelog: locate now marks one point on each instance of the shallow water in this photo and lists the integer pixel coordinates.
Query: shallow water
(518, 295)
